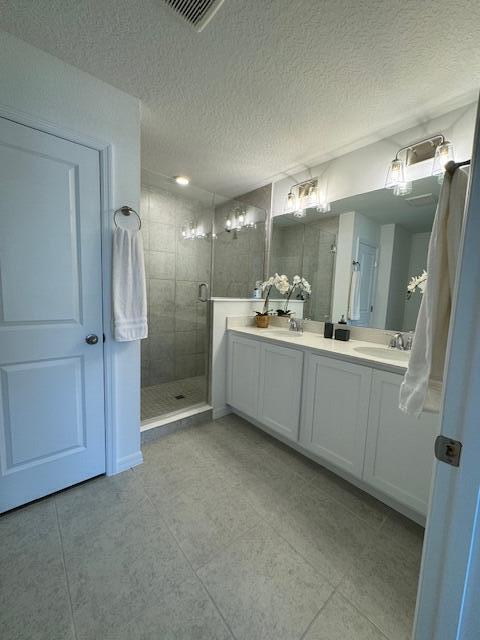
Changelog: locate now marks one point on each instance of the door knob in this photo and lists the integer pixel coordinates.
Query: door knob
(91, 339)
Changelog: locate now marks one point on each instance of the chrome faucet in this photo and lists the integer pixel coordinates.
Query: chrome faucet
(396, 341)
(400, 341)
(295, 325)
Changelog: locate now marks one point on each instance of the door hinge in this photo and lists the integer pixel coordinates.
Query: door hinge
(448, 450)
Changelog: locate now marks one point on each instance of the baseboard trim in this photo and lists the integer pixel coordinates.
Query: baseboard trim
(379, 495)
(219, 412)
(127, 462)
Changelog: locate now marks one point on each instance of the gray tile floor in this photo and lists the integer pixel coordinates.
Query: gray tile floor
(159, 400)
(222, 533)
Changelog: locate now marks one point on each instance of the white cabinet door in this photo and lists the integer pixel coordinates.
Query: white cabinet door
(280, 389)
(399, 454)
(335, 411)
(243, 374)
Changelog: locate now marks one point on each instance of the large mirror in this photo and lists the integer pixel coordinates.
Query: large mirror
(360, 257)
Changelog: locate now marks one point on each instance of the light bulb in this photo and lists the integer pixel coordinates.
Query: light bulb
(228, 224)
(182, 180)
(443, 155)
(396, 174)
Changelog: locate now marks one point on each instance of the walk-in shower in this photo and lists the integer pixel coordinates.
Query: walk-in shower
(190, 252)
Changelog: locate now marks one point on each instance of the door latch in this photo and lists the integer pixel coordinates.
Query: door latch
(448, 450)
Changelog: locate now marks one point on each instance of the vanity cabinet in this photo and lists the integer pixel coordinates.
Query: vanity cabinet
(341, 412)
(243, 374)
(335, 411)
(399, 449)
(280, 389)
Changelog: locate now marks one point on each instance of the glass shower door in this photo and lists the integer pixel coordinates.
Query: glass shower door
(177, 224)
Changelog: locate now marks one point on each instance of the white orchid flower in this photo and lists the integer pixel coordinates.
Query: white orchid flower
(419, 282)
(282, 284)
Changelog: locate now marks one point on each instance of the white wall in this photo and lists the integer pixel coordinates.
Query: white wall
(365, 169)
(37, 85)
(380, 307)
(343, 264)
(398, 278)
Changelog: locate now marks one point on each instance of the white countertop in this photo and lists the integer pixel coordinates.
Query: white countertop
(367, 353)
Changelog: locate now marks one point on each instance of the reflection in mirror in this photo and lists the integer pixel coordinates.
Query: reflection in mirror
(239, 249)
(381, 242)
(306, 247)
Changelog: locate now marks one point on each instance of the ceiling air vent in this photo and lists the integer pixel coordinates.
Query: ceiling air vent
(198, 13)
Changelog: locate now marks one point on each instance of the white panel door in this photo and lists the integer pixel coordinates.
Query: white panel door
(399, 454)
(52, 431)
(280, 389)
(335, 411)
(243, 374)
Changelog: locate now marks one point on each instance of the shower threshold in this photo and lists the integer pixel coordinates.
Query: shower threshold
(174, 416)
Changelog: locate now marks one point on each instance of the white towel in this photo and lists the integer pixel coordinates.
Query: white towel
(129, 289)
(421, 389)
(354, 295)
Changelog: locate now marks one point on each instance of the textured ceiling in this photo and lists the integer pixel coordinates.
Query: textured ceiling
(269, 84)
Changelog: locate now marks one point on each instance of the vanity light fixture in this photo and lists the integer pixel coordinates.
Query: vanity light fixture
(183, 181)
(436, 147)
(305, 195)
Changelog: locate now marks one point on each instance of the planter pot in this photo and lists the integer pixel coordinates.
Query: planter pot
(262, 322)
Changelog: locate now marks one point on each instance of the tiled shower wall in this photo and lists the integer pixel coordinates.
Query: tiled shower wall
(176, 344)
(305, 249)
(239, 258)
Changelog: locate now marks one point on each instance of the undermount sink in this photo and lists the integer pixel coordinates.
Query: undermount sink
(383, 352)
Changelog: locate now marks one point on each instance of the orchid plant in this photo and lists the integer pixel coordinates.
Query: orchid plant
(417, 282)
(280, 282)
(304, 291)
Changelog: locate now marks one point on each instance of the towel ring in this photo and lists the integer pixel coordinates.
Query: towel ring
(126, 211)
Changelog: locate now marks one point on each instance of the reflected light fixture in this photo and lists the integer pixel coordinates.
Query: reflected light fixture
(194, 231)
(291, 202)
(237, 219)
(305, 195)
(436, 147)
(402, 189)
(182, 180)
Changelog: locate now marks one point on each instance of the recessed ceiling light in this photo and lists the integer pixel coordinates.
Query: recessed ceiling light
(183, 180)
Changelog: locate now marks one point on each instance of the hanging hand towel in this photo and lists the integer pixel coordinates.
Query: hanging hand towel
(354, 294)
(128, 286)
(422, 385)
